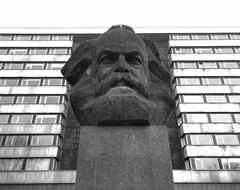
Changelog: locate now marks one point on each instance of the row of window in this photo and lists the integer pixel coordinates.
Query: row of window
(32, 82)
(31, 66)
(31, 140)
(44, 37)
(226, 139)
(209, 98)
(208, 81)
(30, 118)
(213, 163)
(206, 65)
(210, 118)
(205, 36)
(35, 51)
(32, 99)
(204, 50)
(28, 164)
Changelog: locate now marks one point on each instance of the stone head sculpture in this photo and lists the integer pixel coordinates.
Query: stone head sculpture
(118, 79)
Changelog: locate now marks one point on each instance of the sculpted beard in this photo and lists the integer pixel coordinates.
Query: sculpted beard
(125, 79)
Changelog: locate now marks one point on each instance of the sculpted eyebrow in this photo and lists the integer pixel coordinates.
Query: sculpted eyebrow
(134, 53)
(107, 52)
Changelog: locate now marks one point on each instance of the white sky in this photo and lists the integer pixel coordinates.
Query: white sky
(104, 13)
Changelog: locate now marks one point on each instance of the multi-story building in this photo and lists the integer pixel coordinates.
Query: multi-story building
(39, 132)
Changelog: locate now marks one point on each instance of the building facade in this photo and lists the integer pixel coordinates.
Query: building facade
(39, 134)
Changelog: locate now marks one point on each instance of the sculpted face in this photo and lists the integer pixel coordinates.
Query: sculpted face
(118, 77)
(121, 61)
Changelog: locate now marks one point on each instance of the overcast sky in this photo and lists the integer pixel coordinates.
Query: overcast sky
(104, 13)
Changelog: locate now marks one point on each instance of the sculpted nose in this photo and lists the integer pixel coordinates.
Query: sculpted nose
(122, 66)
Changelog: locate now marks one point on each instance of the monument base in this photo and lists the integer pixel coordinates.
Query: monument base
(124, 158)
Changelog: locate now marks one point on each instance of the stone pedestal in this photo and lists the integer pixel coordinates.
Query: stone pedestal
(124, 158)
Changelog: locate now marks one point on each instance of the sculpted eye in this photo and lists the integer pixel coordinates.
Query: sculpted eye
(134, 60)
(107, 59)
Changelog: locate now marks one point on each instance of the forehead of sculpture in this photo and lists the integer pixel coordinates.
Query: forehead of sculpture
(120, 40)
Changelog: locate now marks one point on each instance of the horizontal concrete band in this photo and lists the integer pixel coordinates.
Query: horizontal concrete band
(33, 90)
(208, 108)
(206, 73)
(205, 57)
(68, 177)
(193, 128)
(33, 108)
(213, 89)
(209, 151)
(29, 152)
(203, 43)
(31, 73)
(99, 30)
(31, 129)
(46, 58)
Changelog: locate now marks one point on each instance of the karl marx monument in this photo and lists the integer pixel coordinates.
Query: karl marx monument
(121, 98)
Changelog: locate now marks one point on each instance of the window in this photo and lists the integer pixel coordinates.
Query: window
(231, 163)
(61, 37)
(6, 99)
(200, 37)
(52, 82)
(31, 82)
(189, 81)
(5, 37)
(234, 98)
(237, 50)
(221, 118)
(55, 66)
(9, 82)
(11, 164)
(208, 65)
(227, 139)
(193, 99)
(229, 65)
(22, 37)
(16, 141)
(206, 163)
(37, 164)
(34, 66)
(26, 99)
(49, 99)
(233, 81)
(18, 51)
(219, 36)
(201, 140)
(58, 51)
(216, 98)
(41, 37)
(183, 50)
(13, 66)
(24, 118)
(237, 117)
(4, 118)
(203, 50)
(212, 81)
(235, 36)
(43, 140)
(3, 51)
(224, 50)
(38, 51)
(46, 119)
(196, 118)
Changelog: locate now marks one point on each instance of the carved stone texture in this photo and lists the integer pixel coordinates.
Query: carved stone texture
(118, 79)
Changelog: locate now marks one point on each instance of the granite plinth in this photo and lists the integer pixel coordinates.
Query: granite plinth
(124, 158)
